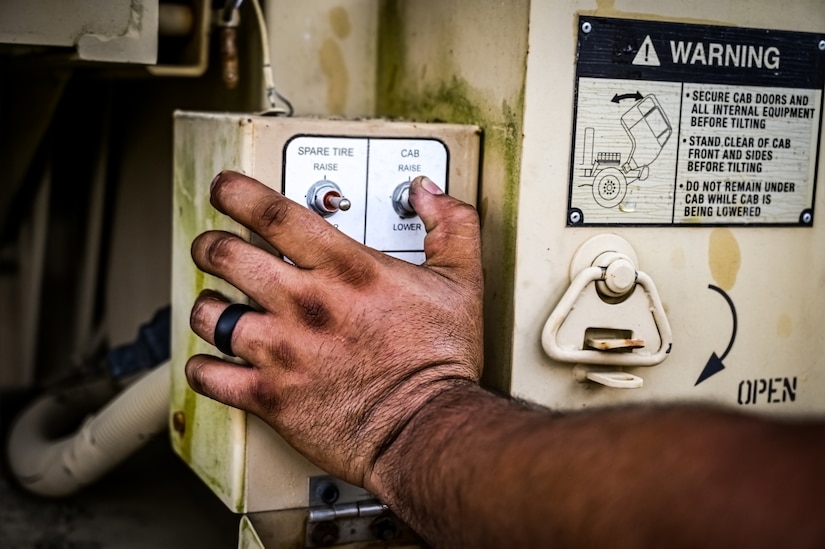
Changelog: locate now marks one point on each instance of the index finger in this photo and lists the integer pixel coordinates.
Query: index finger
(295, 231)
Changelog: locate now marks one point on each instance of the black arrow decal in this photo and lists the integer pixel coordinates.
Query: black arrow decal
(636, 96)
(715, 364)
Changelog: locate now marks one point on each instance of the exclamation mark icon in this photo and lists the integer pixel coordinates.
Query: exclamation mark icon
(647, 54)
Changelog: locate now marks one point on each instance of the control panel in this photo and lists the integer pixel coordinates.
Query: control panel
(355, 174)
(361, 185)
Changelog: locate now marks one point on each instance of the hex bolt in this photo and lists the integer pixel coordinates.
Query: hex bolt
(324, 534)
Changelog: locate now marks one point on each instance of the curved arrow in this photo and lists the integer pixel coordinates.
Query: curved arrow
(714, 364)
(616, 98)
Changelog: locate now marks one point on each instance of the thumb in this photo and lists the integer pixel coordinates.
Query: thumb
(453, 238)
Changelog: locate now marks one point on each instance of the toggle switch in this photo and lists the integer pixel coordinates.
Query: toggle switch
(401, 200)
(325, 198)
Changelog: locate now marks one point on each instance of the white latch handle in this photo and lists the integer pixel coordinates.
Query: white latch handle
(549, 340)
(616, 380)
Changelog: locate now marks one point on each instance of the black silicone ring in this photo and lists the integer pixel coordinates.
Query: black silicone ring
(226, 325)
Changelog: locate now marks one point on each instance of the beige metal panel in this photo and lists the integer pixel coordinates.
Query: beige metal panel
(121, 31)
(247, 465)
(324, 54)
(774, 276)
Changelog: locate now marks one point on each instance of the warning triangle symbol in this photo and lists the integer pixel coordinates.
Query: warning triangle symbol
(647, 54)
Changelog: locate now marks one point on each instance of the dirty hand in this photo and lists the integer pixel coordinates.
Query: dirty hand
(349, 343)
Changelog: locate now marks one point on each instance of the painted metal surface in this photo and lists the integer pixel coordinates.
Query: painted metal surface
(745, 303)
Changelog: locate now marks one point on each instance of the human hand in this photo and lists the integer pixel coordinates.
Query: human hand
(350, 343)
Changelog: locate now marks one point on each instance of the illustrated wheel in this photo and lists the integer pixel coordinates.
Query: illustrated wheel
(610, 188)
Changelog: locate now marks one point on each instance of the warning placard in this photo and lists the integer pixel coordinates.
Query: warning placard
(679, 124)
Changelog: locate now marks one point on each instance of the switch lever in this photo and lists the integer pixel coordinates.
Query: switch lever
(326, 198)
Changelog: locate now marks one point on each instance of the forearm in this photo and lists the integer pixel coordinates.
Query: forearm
(476, 470)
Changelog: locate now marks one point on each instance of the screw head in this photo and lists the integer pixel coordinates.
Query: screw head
(574, 216)
(328, 492)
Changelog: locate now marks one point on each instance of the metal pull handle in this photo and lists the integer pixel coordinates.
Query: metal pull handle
(637, 357)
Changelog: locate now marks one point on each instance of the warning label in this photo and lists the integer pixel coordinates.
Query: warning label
(681, 124)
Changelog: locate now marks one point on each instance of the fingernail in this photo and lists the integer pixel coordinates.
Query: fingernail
(428, 185)
(212, 185)
(211, 294)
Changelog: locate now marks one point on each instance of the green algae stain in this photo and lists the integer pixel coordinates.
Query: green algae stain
(211, 430)
(438, 91)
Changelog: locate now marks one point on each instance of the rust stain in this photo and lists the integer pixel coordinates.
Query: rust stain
(614, 344)
(724, 258)
(335, 70)
(784, 326)
(340, 22)
(607, 8)
(179, 422)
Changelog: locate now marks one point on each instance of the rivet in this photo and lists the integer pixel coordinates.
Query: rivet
(586, 27)
(822, 45)
(179, 422)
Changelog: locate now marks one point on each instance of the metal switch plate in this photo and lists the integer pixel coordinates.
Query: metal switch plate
(368, 171)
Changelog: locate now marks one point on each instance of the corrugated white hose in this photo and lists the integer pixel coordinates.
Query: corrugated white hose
(57, 468)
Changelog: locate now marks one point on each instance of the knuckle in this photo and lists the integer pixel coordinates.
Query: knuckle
(270, 214)
(286, 355)
(275, 348)
(313, 312)
(356, 273)
(466, 217)
(219, 249)
(437, 240)
(265, 398)
(355, 268)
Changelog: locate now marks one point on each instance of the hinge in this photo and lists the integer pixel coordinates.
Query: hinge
(342, 513)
